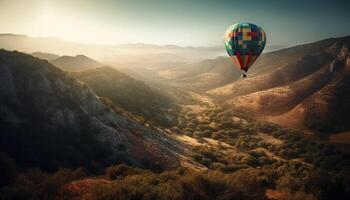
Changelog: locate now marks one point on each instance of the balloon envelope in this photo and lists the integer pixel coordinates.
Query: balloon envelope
(244, 42)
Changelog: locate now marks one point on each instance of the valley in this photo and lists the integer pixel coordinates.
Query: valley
(73, 127)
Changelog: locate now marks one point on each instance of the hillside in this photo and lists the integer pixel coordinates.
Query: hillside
(50, 120)
(305, 88)
(45, 56)
(75, 63)
(130, 94)
(281, 67)
(206, 74)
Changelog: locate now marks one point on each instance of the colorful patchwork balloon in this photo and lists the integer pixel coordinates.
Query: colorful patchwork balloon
(244, 42)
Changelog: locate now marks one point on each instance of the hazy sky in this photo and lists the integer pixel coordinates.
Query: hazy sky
(181, 22)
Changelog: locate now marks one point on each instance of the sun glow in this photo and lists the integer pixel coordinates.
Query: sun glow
(71, 27)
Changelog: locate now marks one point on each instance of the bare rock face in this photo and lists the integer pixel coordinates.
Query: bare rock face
(9, 116)
(6, 81)
(61, 117)
(60, 85)
(108, 135)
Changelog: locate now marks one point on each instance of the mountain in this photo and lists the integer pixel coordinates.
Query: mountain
(76, 63)
(105, 53)
(48, 119)
(80, 144)
(45, 56)
(130, 94)
(303, 87)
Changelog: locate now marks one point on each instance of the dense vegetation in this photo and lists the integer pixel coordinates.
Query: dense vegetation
(232, 143)
(124, 182)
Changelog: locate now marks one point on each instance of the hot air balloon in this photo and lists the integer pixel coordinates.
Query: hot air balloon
(244, 42)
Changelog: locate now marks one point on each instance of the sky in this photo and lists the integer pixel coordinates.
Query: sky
(179, 22)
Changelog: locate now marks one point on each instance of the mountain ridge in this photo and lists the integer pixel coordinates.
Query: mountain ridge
(56, 121)
(303, 71)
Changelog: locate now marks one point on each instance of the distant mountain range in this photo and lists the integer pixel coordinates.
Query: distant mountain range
(100, 52)
(109, 53)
